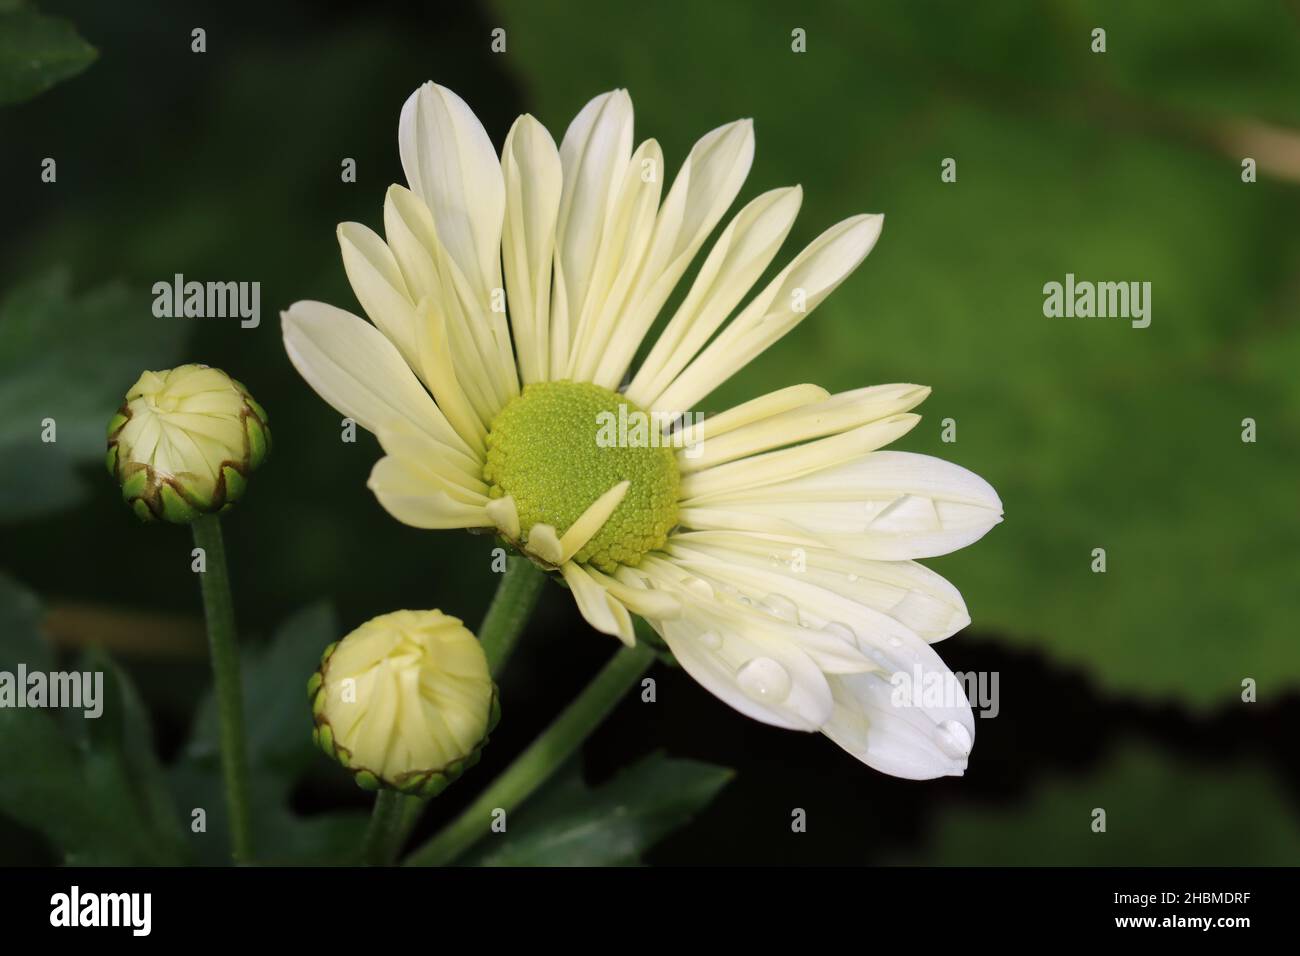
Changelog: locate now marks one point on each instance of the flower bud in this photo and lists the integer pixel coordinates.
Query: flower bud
(405, 701)
(185, 442)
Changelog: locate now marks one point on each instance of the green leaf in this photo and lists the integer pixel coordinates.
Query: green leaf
(1159, 812)
(21, 639)
(70, 360)
(1095, 434)
(90, 785)
(614, 824)
(37, 52)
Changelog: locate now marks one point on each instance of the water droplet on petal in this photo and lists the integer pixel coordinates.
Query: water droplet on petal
(711, 639)
(698, 587)
(954, 739)
(764, 679)
(781, 606)
(895, 642)
(852, 578)
(842, 631)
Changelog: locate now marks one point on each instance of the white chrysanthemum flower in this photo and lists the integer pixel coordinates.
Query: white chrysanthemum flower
(772, 547)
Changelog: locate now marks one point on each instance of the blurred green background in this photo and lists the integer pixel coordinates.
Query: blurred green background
(1120, 690)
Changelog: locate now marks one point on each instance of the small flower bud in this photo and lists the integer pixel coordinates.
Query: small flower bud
(185, 442)
(405, 701)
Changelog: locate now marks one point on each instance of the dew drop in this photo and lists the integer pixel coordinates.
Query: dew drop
(698, 586)
(954, 739)
(764, 679)
(711, 639)
(842, 631)
(781, 606)
(895, 642)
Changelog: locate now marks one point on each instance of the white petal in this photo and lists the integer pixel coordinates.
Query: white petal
(505, 516)
(355, 368)
(409, 230)
(765, 406)
(887, 505)
(415, 499)
(817, 610)
(628, 229)
(747, 661)
(592, 520)
(786, 301)
(922, 600)
(700, 195)
(594, 155)
(777, 466)
(745, 248)
(379, 286)
(445, 381)
(833, 416)
(922, 742)
(534, 179)
(602, 610)
(450, 164)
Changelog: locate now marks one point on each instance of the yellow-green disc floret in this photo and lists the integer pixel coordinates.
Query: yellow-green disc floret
(559, 446)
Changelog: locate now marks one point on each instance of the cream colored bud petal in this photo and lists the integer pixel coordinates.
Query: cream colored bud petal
(185, 442)
(407, 699)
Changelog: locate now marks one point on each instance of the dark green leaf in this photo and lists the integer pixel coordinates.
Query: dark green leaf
(90, 785)
(69, 360)
(36, 52)
(21, 640)
(614, 824)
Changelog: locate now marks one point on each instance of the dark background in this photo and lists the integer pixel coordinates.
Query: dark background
(1119, 691)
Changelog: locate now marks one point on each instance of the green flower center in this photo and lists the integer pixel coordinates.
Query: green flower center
(559, 446)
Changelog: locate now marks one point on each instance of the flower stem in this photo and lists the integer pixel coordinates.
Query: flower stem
(536, 764)
(395, 816)
(509, 611)
(386, 833)
(220, 614)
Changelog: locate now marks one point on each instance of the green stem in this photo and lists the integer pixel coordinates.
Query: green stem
(393, 820)
(536, 764)
(509, 611)
(220, 614)
(386, 834)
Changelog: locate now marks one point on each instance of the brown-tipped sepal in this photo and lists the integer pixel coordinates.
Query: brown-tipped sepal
(184, 443)
(404, 702)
